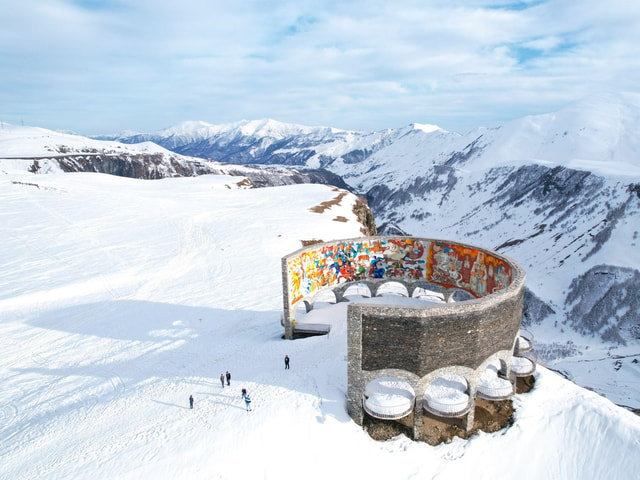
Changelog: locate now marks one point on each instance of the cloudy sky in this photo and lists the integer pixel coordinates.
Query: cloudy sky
(98, 66)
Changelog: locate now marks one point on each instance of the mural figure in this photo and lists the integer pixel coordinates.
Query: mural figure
(446, 269)
(478, 280)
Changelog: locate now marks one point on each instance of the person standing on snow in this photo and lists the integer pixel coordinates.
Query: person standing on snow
(191, 401)
(228, 378)
(222, 379)
(286, 362)
(247, 399)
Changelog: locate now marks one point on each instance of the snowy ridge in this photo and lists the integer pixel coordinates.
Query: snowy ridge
(111, 317)
(25, 142)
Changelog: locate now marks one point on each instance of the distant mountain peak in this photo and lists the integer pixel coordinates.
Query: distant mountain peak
(187, 127)
(267, 127)
(425, 127)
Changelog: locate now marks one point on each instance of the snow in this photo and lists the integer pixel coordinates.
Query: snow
(596, 134)
(24, 142)
(492, 385)
(120, 298)
(389, 396)
(523, 344)
(426, 128)
(447, 394)
(521, 365)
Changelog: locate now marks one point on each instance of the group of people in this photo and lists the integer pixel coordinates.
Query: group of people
(226, 376)
(245, 395)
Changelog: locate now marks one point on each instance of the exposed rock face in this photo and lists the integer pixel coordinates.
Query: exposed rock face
(274, 176)
(158, 165)
(365, 217)
(534, 310)
(605, 301)
(145, 166)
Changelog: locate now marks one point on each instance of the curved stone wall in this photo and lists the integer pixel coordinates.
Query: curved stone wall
(451, 265)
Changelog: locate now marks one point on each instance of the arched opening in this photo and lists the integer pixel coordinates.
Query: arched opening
(524, 343)
(388, 398)
(326, 296)
(428, 295)
(392, 288)
(302, 308)
(357, 290)
(492, 386)
(447, 396)
(460, 296)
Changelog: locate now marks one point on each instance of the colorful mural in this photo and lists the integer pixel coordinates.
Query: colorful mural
(473, 270)
(404, 258)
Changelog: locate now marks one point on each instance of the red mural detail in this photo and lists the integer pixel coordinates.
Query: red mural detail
(473, 270)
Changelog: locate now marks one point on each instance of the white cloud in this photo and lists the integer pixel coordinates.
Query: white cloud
(359, 65)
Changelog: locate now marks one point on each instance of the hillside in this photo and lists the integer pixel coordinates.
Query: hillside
(121, 297)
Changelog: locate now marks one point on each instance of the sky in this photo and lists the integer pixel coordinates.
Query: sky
(98, 67)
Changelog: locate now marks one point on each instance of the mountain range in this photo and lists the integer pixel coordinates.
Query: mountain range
(559, 193)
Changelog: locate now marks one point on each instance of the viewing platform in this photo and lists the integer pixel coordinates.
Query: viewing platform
(429, 357)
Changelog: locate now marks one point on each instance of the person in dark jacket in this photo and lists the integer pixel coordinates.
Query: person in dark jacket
(191, 401)
(228, 378)
(286, 362)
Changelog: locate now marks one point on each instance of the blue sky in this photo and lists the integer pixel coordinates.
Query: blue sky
(94, 66)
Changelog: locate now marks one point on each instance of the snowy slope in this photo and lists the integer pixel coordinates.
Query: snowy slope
(120, 297)
(43, 151)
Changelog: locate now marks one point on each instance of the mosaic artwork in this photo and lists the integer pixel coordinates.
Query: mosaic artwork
(447, 264)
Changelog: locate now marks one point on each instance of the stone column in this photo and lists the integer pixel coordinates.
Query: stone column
(418, 424)
(469, 418)
(355, 380)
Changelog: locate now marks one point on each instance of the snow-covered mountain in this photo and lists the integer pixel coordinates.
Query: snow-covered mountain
(43, 151)
(267, 142)
(560, 193)
(120, 298)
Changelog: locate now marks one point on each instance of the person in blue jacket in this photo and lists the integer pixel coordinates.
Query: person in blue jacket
(247, 399)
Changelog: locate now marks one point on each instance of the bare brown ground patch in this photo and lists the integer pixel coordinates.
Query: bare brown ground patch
(489, 417)
(308, 243)
(245, 183)
(340, 218)
(329, 203)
